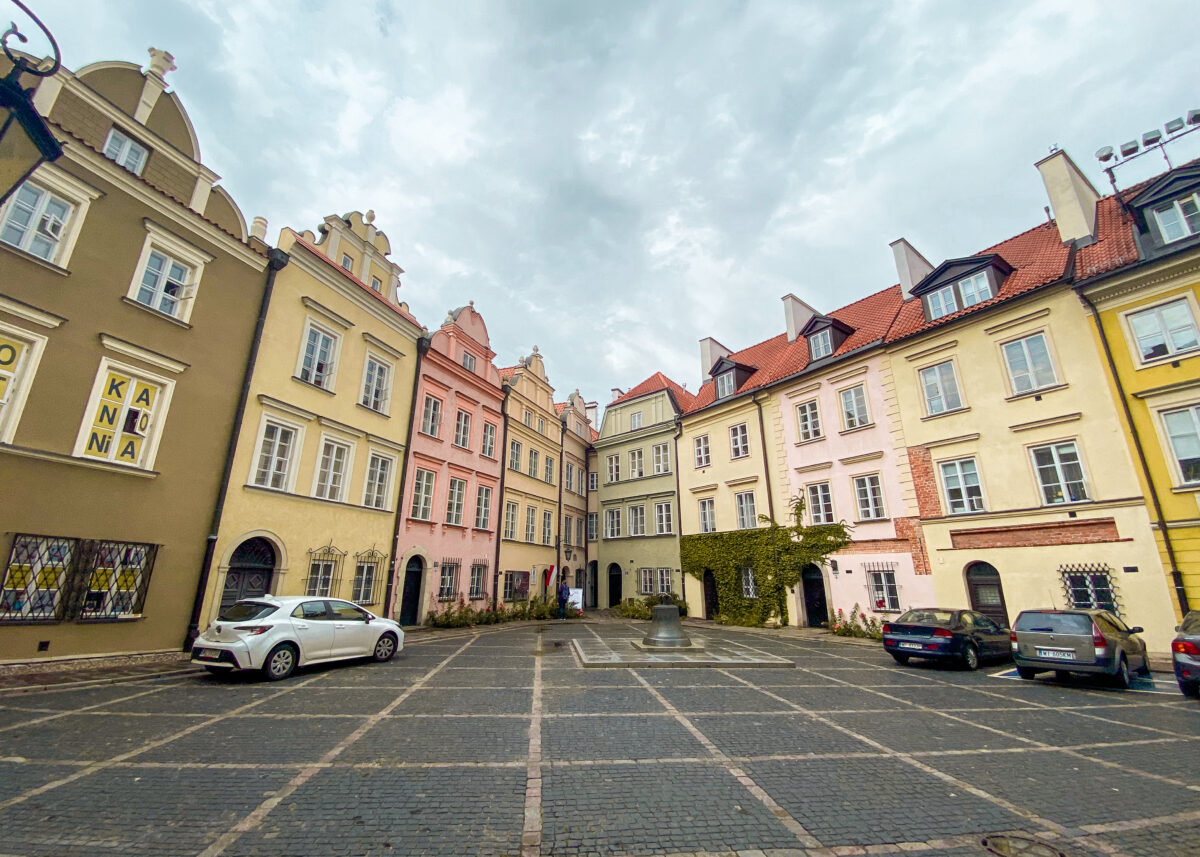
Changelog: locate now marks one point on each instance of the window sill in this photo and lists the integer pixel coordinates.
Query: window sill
(6, 622)
(458, 445)
(948, 413)
(37, 260)
(383, 414)
(1188, 488)
(872, 521)
(1036, 393)
(108, 620)
(481, 529)
(862, 427)
(295, 496)
(810, 441)
(313, 386)
(739, 457)
(452, 526)
(157, 313)
(77, 461)
(1169, 359)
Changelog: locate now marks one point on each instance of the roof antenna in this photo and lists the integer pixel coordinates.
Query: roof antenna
(1046, 209)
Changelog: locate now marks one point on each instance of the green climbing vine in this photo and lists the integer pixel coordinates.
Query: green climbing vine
(777, 554)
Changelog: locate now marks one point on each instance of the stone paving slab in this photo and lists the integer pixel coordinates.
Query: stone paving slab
(620, 652)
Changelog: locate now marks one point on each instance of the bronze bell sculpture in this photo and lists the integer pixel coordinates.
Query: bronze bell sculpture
(666, 631)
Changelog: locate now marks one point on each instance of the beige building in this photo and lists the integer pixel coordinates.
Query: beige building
(573, 554)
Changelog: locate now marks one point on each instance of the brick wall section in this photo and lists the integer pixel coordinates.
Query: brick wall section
(169, 177)
(909, 539)
(1032, 535)
(73, 113)
(920, 464)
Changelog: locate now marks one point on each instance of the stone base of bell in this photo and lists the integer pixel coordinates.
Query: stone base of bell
(696, 645)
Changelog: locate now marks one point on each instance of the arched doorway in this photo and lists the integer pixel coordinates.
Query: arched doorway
(593, 584)
(250, 570)
(410, 594)
(986, 592)
(614, 585)
(566, 576)
(711, 607)
(816, 609)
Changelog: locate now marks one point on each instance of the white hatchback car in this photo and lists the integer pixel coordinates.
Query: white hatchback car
(276, 635)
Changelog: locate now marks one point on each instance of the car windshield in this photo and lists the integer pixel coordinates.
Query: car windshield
(244, 611)
(927, 617)
(1191, 623)
(1055, 623)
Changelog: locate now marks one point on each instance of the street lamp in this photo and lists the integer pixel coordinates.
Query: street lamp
(26, 141)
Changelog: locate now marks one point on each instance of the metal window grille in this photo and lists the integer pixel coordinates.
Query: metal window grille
(478, 589)
(1090, 585)
(749, 584)
(324, 571)
(448, 582)
(367, 577)
(882, 591)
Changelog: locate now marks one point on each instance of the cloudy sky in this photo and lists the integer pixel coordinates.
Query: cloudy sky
(613, 181)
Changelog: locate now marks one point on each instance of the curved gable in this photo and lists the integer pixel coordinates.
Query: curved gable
(119, 82)
(170, 121)
(471, 323)
(223, 211)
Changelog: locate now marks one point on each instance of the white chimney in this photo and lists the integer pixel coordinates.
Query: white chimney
(796, 313)
(911, 266)
(593, 413)
(258, 228)
(710, 352)
(617, 393)
(1072, 196)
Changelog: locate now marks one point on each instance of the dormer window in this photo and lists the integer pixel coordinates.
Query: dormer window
(975, 289)
(468, 361)
(1179, 218)
(120, 148)
(941, 303)
(958, 284)
(820, 344)
(724, 385)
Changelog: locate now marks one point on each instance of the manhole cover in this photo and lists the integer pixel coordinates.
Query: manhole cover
(1019, 846)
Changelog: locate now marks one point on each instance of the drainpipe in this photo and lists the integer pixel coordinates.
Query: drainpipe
(679, 504)
(423, 343)
(276, 261)
(562, 463)
(1161, 523)
(508, 388)
(762, 436)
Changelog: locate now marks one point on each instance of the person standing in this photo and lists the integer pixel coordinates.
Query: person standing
(564, 594)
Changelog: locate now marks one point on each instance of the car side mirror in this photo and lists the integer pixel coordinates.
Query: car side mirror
(1178, 628)
(368, 618)
(1136, 629)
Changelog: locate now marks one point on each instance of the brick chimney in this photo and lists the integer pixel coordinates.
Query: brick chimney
(796, 313)
(911, 266)
(1072, 197)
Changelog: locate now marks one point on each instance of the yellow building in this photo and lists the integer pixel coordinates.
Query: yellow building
(311, 506)
(573, 555)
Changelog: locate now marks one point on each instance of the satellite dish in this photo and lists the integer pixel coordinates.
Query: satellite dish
(1105, 154)
(1150, 138)
(1129, 148)
(1174, 126)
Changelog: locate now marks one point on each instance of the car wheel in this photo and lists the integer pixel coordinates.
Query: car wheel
(280, 663)
(1027, 672)
(385, 647)
(1122, 678)
(1190, 688)
(900, 659)
(970, 657)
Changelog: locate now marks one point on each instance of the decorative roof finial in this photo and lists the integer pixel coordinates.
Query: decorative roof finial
(161, 62)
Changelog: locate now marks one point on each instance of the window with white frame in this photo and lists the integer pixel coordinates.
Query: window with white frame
(940, 386)
(662, 458)
(593, 481)
(377, 384)
(739, 441)
(614, 468)
(749, 584)
(941, 303)
(868, 492)
(960, 480)
(636, 516)
(510, 520)
(20, 354)
(1090, 586)
(592, 526)
(664, 580)
(700, 450)
(820, 503)
(125, 415)
(1183, 433)
(530, 523)
(569, 482)
(376, 284)
(514, 455)
(36, 576)
(1165, 330)
(854, 408)
(612, 523)
(808, 421)
(125, 151)
(635, 421)
(881, 583)
(422, 502)
(645, 581)
(534, 460)
(635, 464)
(276, 450)
(455, 498)
(528, 418)
(448, 582)
(975, 289)
(541, 426)
(664, 523)
(548, 469)
(332, 467)
(431, 416)
(1060, 473)
(708, 516)
(747, 516)
(168, 273)
(568, 529)
(547, 527)
(379, 480)
(468, 361)
(362, 591)
(318, 356)
(483, 507)
(462, 430)
(820, 344)
(322, 569)
(347, 262)
(36, 221)
(724, 385)
(478, 571)
(1179, 218)
(1029, 364)
(579, 531)
(488, 447)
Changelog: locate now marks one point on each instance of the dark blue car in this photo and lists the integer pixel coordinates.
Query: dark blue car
(963, 636)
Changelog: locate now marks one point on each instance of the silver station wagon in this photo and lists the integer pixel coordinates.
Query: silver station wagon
(1083, 641)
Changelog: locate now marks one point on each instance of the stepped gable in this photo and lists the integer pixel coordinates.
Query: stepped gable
(657, 381)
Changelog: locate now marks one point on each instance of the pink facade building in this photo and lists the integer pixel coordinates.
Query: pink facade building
(446, 545)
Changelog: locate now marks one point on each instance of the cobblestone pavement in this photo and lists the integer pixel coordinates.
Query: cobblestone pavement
(495, 742)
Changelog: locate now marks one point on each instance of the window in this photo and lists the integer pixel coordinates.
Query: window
(662, 458)
(881, 583)
(664, 580)
(663, 524)
(635, 464)
(614, 468)
(635, 421)
(379, 480)
(700, 448)
(376, 284)
(1059, 473)
(547, 527)
(820, 344)
(869, 494)
(708, 517)
(645, 581)
(941, 303)
(468, 361)
(347, 262)
(483, 507)
(975, 289)
(20, 353)
(478, 570)
(516, 586)
(529, 418)
(612, 523)
(941, 389)
(1164, 331)
(534, 458)
(960, 479)
(448, 582)
(320, 577)
(330, 480)
(854, 408)
(363, 589)
(454, 501)
(510, 520)
(808, 421)
(124, 417)
(317, 358)
(530, 523)
(1029, 365)
(570, 480)
(541, 426)
(820, 503)
(549, 469)
(592, 526)
(168, 273)
(274, 456)
(120, 148)
(637, 520)
(462, 430)
(165, 283)
(117, 580)
(488, 448)
(749, 584)
(34, 580)
(1179, 219)
(431, 416)
(36, 222)
(593, 481)
(377, 384)
(739, 441)
(568, 527)
(422, 504)
(514, 455)
(724, 385)
(1090, 587)
(747, 518)
(1183, 431)
(579, 531)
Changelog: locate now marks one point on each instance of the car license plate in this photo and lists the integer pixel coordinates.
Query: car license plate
(1056, 654)
(910, 645)
(212, 654)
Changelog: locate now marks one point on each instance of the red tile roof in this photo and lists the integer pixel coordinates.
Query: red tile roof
(507, 372)
(1114, 247)
(376, 295)
(656, 382)
(559, 407)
